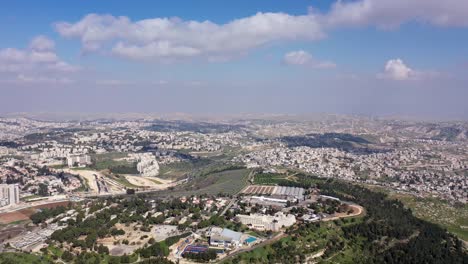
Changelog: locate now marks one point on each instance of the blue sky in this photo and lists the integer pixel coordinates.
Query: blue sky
(372, 57)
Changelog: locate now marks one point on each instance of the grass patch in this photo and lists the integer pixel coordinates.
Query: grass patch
(30, 197)
(155, 181)
(22, 258)
(109, 161)
(228, 181)
(452, 217)
(55, 251)
(181, 169)
(122, 180)
(84, 185)
(309, 241)
(62, 166)
(268, 178)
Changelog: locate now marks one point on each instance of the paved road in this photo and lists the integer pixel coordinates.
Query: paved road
(228, 206)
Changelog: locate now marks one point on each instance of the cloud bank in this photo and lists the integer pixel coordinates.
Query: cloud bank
(393, 13)
(158, 39)
(37, 63)
(173, 38)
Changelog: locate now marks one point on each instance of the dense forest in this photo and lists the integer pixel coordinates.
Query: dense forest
(406, 239)
(388, 233)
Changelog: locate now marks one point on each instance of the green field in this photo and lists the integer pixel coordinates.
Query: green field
(269, 178)
(22, 258)
(122, 180)
(228, 181)
(30, 197)
(108, 161)
(179, 170)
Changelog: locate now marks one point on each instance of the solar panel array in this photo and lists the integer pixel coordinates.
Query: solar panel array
(259, 189)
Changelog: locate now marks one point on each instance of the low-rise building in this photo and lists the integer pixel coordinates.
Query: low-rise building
(223, 237)
(78, 160)
(267, 222)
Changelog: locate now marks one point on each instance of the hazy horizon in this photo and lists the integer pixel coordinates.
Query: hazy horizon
(364, 57)
(214, 117)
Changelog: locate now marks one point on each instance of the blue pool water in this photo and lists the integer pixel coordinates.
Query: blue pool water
(250, 240)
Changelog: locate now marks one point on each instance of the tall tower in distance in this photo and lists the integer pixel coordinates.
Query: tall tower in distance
(9, 194)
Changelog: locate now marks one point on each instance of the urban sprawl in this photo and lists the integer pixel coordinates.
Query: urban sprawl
(206, 191)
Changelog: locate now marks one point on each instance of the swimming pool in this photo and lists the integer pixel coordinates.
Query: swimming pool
(250, 240)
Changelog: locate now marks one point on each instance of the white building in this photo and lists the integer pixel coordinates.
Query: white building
(5, 151)
(147, 164)
(275, 200)
(79, 160)
(223, 237)
(267, 222)
(9, 194)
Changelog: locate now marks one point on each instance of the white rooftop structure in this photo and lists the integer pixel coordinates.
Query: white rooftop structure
(267, 222)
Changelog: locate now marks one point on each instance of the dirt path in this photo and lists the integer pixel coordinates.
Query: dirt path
(89, 177)
(357, 210)
(150, 182)
(23, 213)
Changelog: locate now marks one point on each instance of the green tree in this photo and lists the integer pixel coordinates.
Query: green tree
(43, 189)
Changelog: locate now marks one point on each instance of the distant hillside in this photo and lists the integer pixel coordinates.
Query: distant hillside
(342, 141)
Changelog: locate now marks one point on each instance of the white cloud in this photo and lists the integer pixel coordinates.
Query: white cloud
(37, 64)
(160, 49)
(12, 55)
(40, 56)
(161, 38)
(61, 66)
(297, 57)
(393, 13)
(21, 78)
(397, 70)
(42, 43)
(302, 57)
(43, 57)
